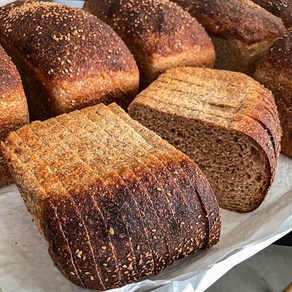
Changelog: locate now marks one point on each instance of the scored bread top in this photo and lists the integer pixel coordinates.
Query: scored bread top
(13, 105)
(279, 56)
(280, 8)
(62, 42)
(239, 19)
(151, 26)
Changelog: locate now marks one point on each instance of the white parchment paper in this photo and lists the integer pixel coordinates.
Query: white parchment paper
(25, 264)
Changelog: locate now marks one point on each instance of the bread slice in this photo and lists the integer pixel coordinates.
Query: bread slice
(282, 9)
(68, 59)
(159, 34)
(241, 31)
(96, 192)
(225, 121)
(274, 71)
(13, 106)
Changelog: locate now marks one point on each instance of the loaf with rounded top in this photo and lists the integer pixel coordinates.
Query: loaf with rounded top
(68, 58)
(274, 71)
(280, 8)
(109, 203)
(13, 106)
(225, 121)
(158, 32)
(241, 30)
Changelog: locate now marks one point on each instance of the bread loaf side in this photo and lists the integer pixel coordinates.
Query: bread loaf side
(158, 32)
(274, 71)
(13, 106)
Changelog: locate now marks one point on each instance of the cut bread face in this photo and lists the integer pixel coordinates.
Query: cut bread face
(149, 28)
(224, 121)
(114, 201)
(68, 58)
(274, 71)
(13, 106)
(241, 30)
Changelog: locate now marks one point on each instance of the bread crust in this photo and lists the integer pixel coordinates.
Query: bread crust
(13, 106)
(274, 71)
(282, 9)
(70, 53)
(148, 28)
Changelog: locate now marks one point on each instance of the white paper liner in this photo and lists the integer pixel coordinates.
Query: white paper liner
(25, 264)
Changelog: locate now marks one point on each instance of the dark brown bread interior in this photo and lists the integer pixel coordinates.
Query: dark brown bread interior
(225, 121)
(241, 30)
(13, 106)
(280, 8)
(158, 32)
(113, 206)
(68, 58)
(275, 71)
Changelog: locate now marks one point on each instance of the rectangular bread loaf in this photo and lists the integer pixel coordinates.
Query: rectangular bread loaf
(13, 106)
(225, 121)
(68, 59)
(114, 202)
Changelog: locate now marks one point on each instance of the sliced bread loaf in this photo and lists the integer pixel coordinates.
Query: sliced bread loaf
(13, 106)
(111, 205)
(68, 59)
(241, 30)
(225, 121)
(275, 71)
(159, 34)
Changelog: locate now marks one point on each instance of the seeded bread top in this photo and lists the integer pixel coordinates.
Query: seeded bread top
(239, 19)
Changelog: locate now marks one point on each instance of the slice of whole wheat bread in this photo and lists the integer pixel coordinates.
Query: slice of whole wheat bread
(225, 121)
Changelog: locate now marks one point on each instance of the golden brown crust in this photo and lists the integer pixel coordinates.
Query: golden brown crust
(274, 71)
(280, 8)
(149, 28)
(13, 106)
(238, 19)
(70, 52)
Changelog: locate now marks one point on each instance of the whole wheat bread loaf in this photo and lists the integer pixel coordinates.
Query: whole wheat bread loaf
(68, 59)
(13, 106)
(280, 8)
(225, 121)
(275, 72)
(241, 30)
(158, 32)
(114, 201)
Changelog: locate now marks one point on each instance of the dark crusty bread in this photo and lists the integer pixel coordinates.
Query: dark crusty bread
(113, 206)
(68, 58)
(225, 121)
(275, 71)
(280, 8)
(241, 30)
(13, 106)
(158, 32)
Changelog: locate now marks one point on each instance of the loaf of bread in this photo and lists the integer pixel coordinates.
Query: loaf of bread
(275, 72)
(241, 30)
(280, 8)
(225, 121)
(159, 33)
(114, 201)
(68, 59)
(13, 106)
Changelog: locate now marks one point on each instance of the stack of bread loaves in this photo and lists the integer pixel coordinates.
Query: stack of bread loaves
(115, 201)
